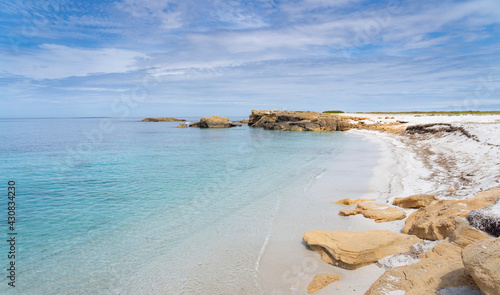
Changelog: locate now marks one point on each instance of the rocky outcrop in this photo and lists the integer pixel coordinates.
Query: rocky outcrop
(482, 261)
(182, 126)
(349, 202)
(298, 121)
(379, 213)
(162, 119)
(437, 221)
(354, 249)
(438, 268)
(320, 281)
(214, 122)
(414, 201)
(487, 219)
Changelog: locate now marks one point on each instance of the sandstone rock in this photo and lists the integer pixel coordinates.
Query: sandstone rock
(437, 221)
(482, 260)
(320, 281)
(214, 122)
(486, 219)
(379, 213)
(349, 202)
(438, 268)
(182, 126)
(414, 201)
(353, 249)
(451, 190)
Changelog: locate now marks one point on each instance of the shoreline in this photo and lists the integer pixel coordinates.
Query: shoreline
(432, 163)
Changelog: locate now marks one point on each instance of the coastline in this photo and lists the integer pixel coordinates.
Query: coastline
(448, 165)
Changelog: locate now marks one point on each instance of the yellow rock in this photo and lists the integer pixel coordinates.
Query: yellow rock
(379, 213)
(320, 281)
(354, 249)
(437, 221)
(414, 201)
(349, 202)
(482, 260)
(439, 268)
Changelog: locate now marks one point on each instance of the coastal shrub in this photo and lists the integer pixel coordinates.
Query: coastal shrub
(333, 112)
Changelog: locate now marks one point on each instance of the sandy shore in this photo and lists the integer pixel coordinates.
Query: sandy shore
(450, 165)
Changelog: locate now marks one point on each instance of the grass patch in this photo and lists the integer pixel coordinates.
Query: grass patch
(333, 112)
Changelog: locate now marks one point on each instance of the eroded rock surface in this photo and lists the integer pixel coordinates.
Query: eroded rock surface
(379, 213)
(486, 219)
(437, 221)
(482, 260)
(439, 268)
(214, 122)
(354, 249)
(298, 121)
(349, 202)
(414, 201)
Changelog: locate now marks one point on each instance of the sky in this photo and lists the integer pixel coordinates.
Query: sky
(151, 58)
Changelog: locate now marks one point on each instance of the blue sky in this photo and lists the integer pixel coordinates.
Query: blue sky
(198, 57)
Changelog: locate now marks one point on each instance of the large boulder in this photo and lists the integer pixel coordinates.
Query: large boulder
(214, 122)
(482, 260)
(414, 201)
(320, 281)
(354, 249)
(437, 221)
(486, 219)
(379, 213)
(439, 268)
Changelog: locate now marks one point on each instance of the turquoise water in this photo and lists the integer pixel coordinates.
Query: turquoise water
(129, 210)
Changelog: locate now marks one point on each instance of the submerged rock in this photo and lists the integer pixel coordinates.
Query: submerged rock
(437, 221)
(438, 268)
(320, 281)
(482, 260)
(379, 213)
(414, 201)
(354, 249)
(162, 119)
(214, 122)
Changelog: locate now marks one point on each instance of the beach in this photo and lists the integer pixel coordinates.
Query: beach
(450, 165)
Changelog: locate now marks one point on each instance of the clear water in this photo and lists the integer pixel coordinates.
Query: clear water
(148, 208)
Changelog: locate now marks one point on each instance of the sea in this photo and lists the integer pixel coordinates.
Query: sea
(120, 206)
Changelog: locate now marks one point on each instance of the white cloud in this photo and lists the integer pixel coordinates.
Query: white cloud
(57, 61)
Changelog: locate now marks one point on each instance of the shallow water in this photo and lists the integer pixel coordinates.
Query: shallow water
(149, 208)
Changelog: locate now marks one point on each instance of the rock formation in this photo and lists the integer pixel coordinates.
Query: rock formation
(320, 281)
(438, 268)
(437, 221)
(162, 119)
(298, 121)
(414, 201)
(182, 126)
(349, 202)
(214, 122)
(379, 213)
(487, 219)
(354, 249)
(482, 260)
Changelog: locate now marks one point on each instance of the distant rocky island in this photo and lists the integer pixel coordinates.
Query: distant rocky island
(215, 122)
(163, 119)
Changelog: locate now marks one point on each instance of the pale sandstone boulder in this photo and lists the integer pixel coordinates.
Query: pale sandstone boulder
(349, 202)
(482, 260)
(414, 201)
(379, 213)
(437, 221)
(320, 281)
(354, 249)
(439, 268)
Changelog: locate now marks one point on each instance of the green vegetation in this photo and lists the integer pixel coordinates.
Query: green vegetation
(333, 112)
